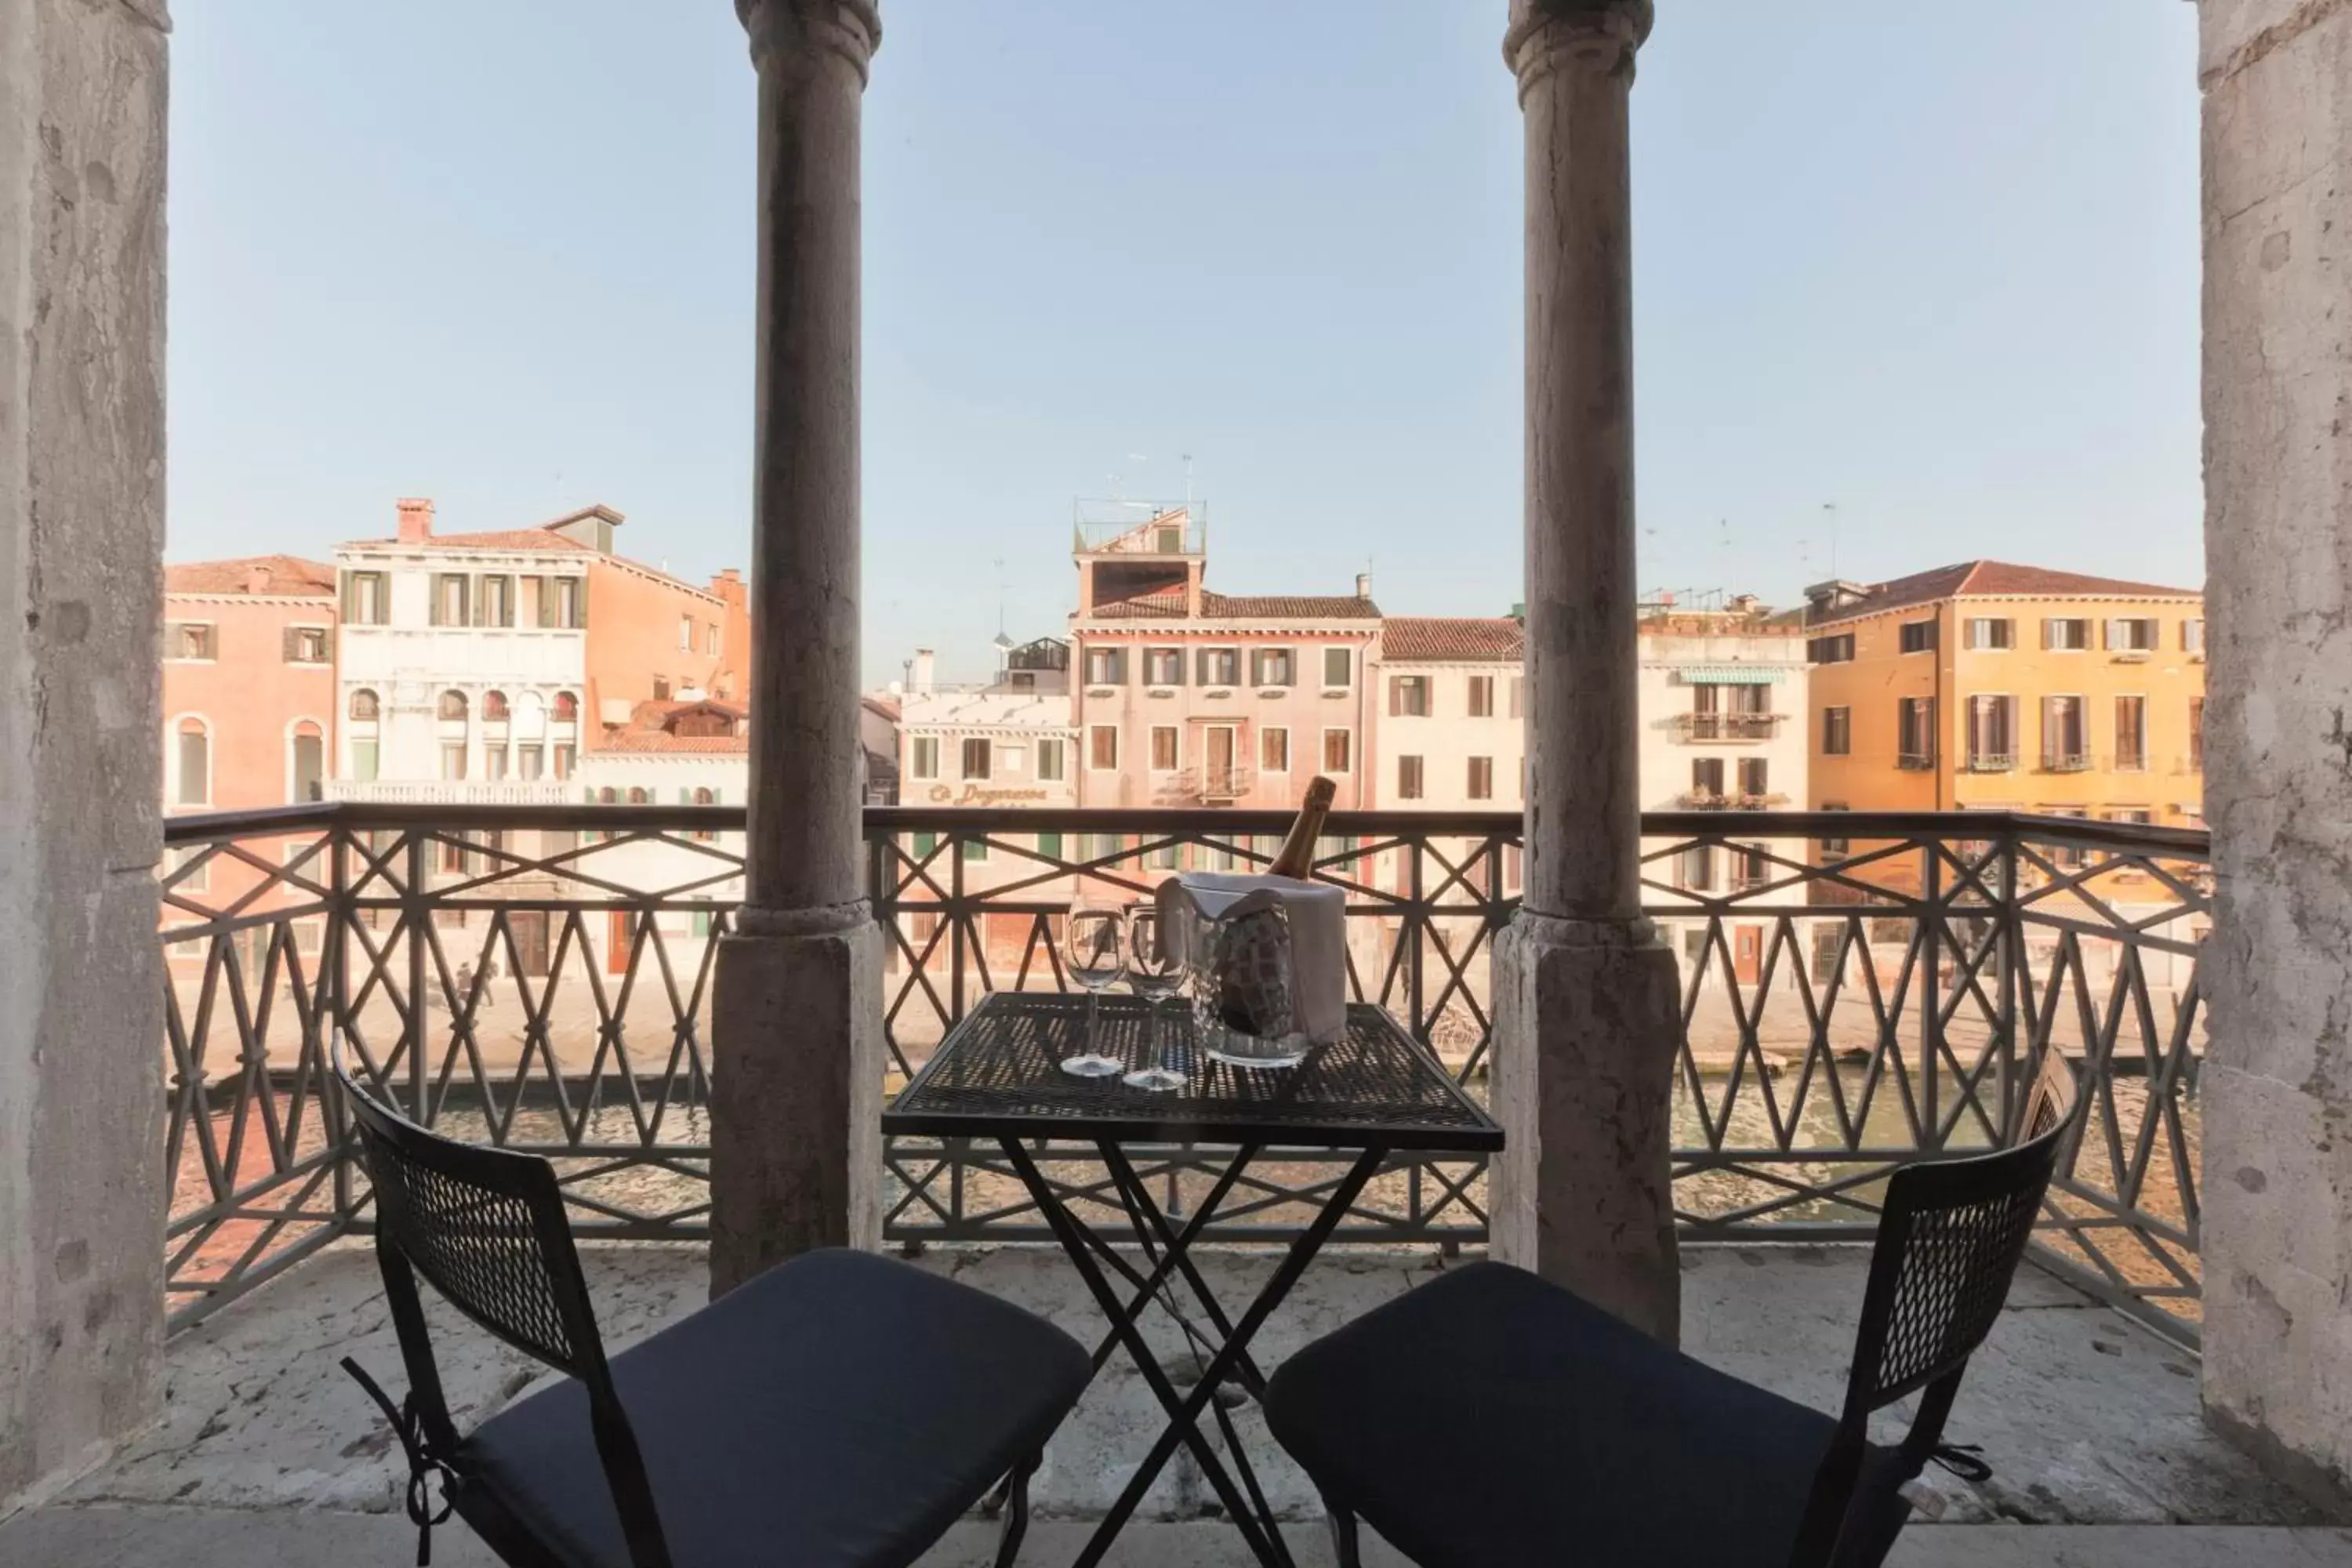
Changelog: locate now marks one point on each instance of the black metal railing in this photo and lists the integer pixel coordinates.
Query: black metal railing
(540, 977)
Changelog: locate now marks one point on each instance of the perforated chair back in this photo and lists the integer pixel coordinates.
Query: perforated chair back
(487, 1228)
(1950, 1235)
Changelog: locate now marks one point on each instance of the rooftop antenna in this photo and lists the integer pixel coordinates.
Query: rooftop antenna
(1187, 483)
(1828, 510)
(1000, 596)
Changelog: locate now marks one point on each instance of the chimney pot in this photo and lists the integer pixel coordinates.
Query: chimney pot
(920, 676)
(415, 519)
(1363, 585)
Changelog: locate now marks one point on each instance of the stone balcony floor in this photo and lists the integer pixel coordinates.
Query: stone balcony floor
(268, 1454)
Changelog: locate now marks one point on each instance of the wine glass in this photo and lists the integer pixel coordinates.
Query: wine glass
(1155, 973)
(1094, 940)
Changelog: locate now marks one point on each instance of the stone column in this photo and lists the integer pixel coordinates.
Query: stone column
(82, 92)
(1585, 1011)
(2276, 1091)
(797, 1007)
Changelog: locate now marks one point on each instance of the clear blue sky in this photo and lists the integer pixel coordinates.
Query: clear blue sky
(1937, 265)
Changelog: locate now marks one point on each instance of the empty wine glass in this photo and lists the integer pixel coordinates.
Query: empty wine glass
(1155, 973)
(1094, 939)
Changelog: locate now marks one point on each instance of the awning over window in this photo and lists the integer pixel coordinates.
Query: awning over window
(1733, 674)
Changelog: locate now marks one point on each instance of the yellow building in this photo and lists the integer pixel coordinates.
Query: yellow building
(1988, 686)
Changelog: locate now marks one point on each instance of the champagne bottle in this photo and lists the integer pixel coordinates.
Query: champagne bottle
(1296, 857)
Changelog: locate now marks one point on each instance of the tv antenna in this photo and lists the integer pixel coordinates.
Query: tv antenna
(1829, 511)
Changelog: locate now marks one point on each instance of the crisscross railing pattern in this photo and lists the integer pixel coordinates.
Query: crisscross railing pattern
(1859, 991)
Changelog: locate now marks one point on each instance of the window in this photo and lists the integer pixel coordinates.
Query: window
(1919, 636)
(306, 762)
(1163, 667)
(1697, 868)
(608, 795)
(2065, 634)
(640, 795)
(1755, 779)
(2197, 734)
(974, 849)
(365, 706)
(530, 763)
(365, 760)
(2065, 856)
(565, 755)
(197, 879)
(661, 688)
(496, 608)
(1482, 778)
(1835, 846)
(2127, 634)
(193, 786)
(189, 639)
(1160, 858)
(456, 858)
(975, 759)
(1273, 749)
(1052, 763)
(1409, 696)
(494, 763)
(306, 645)
(1273, 667)
(560, 602)
(1107, 667)
(1101, 846)
(1836, 649)
(1163, 748)
(2065, 747)
(1011, 758)
(686, 634)
(1992, 632)
(1837, 732)
(1049, 846)
(449, 599)
(923, 757)
(1339, 666)
(925, 845)
(365, 601)
(567, 707)
(453, 760)
(1339, 750)
(1409, 778)
(1707, 779)
(2192, 636)
(1219, 666)
(1333, 854)
(1992, 733)
(1915, 732)
(1482, 697)
(710, 637)
(2131, 735)
(2139, 814)
(1518, 696)
(493, 707)
(1102, 748)
(452, 705)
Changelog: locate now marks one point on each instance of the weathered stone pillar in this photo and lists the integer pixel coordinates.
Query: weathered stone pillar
(1585, 1015)
(82, 92)
(796, 1159)
(2276, 1092)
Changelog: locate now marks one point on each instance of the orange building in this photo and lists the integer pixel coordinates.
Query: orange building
(1988, 686)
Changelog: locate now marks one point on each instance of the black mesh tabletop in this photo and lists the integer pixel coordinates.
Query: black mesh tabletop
(998, 1075)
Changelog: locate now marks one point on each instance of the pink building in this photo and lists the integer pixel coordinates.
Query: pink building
(1185, 696)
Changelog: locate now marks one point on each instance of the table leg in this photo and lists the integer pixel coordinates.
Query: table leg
(1184, 1429)
(1143, 1212)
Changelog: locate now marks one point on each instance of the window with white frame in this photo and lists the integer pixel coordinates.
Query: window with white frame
(1339, 666)
(498, 601)
(976, 757)
(1053, 763)
(1273, 667)
(1482, 778)
(306, 645)
(2132, 633)
(1218, 666)
(1102, 748)
(1273, 749)
(1339, 750)
(1409, 778)
(923, 757)
(1105, 666)
(1163, 667)
(367, 601)
(1163, 749)
(192, 780)
(686, 634)
(1409, 696)
(1992, 632)
(1482, 697)
(2066, 634)
(188, 639)
(449, 599)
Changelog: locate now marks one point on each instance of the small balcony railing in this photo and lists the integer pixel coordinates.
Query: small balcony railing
(1205, 786)
(1731, 800)
(1992, 761)
(1719, 727)
(539, 978)
(1916, 762)
(2065, 762)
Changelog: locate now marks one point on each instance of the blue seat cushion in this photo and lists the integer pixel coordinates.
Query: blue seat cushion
(1489, 1418)
(840, 1409)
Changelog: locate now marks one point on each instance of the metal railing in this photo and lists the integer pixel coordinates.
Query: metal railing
(540, 977)
(1703, 727)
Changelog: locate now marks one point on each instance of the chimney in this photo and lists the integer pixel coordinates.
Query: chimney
(919, 678)
(1363, 585)
(416, 519)
(728, 585)
(256, 577)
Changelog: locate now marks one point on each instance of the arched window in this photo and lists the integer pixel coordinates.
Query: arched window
(705, 797)
(192, 758)
(567, 707)
(494, 707)
(306, 762)
(453, 705)
(365, 707)
(607, 796)
(640, 796)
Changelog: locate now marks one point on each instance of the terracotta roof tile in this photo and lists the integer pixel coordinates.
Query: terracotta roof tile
(662, 740)
(497, 539)
(1985, 579)
(1218, 607)
(1499, 639)
(289, 576)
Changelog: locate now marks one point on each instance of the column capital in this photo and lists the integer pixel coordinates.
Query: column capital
(850, 28)
(1544, 33)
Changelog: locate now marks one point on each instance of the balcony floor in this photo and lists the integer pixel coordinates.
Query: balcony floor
(268, 1454)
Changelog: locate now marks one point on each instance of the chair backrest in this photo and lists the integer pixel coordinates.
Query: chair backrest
(487, 1228)
(1950, 1235)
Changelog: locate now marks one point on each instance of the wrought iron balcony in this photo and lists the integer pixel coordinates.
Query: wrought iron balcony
(1205, 784)
(1916, 762)
(1715, 727)
(1992, 761)
(538, 977)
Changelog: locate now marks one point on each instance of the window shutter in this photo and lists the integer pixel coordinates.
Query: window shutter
(288, 645)
(350, 597)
